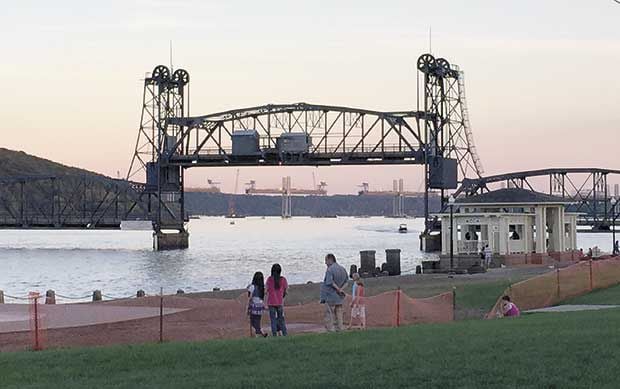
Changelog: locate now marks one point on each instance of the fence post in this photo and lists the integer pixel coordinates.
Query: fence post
(558, 281)
(1, 297)
(398, 307)
(453, 303)
(34, 299)
(591, 279)
(161, 315)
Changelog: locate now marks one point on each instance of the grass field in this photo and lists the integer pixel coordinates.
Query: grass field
(608, 296)
(577, 349)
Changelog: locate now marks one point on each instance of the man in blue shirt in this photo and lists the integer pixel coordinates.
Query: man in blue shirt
(332, 293)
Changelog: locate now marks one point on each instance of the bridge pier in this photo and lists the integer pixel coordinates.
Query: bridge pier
(170, 240)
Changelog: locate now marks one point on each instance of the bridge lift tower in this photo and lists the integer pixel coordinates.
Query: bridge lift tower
(299, 134)
(165, 96)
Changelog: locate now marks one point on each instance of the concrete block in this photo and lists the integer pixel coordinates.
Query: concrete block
(50, 297)
(170, 241)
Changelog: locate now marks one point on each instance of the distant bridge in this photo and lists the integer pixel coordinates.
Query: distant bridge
(70, 201)
(588, 189)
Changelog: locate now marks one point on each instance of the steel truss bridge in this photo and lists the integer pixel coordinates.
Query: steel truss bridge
(438, 137)
(587, 189)
(170, 140)
(70, 201)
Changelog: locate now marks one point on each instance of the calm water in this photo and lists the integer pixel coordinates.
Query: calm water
(221, 255)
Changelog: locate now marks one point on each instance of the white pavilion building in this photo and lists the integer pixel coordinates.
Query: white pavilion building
(518, 225)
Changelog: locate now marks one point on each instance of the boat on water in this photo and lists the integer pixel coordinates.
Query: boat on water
(235, 216)
(402, 228)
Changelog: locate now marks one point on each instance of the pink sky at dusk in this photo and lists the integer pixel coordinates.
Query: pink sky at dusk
(542, 77)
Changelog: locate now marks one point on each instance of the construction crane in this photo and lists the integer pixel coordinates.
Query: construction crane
(212, 188)
(286, 190)
(319, 190)
(231, 200)
(397, 193)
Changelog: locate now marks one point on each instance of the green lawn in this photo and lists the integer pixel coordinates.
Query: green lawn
(608, 296)
(578, 349)
(476, 300)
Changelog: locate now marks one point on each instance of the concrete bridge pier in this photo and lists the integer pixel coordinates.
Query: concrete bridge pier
(170, 240)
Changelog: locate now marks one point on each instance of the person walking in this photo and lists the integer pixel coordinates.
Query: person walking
(332, 294)
(488, 256)
(358, 306)
(276, 291)
(256, 305)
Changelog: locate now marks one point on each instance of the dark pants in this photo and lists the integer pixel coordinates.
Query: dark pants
(255, 323)
(276, 314)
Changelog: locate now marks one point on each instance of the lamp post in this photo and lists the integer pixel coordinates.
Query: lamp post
(614, 201)
(451, 203)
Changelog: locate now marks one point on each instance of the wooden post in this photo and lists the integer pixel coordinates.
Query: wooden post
(557, 272)
(161, 315)
(1, 297)
(591, 278)
(34, 299)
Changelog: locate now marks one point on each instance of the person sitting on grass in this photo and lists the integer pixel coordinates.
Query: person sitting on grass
(358, 308)
(509, 309)
(256, 294)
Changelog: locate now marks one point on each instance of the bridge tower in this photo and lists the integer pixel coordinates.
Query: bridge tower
(449, 152)
(165, 96)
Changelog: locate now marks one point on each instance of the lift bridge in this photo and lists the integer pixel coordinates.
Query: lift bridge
(438, 136)
(300, 134)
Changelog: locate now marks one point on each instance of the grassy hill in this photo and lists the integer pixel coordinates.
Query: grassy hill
(18, 163)
(562, 350)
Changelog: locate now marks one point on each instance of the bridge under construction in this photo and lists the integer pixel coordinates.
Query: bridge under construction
(437, 136)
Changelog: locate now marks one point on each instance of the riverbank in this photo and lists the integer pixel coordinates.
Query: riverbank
(475, 293)
(216, 315)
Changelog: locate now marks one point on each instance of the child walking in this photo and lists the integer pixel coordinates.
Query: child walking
(256, 294)
(358, 307)
(276, 291)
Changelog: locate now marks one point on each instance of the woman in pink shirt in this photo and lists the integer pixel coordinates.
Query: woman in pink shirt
(509, 308)
(276, 286)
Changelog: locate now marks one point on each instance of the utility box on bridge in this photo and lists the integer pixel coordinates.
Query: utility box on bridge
(245, 143)
(442, 173)
(293, 143)
(170, 176)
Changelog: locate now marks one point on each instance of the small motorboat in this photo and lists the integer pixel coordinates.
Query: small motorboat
(402, 228)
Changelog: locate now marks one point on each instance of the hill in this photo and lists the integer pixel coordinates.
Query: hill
(18, 163)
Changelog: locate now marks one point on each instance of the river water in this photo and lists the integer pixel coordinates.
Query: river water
(76, 262)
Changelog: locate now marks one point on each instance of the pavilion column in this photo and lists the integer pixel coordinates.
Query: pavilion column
(541, 228)
(445, 235)
(528, 235)
(503, 236)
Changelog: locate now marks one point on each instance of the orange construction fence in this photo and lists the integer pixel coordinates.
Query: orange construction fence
(185, 318)
(560, 284)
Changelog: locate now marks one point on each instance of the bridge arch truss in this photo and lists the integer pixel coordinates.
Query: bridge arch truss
(592, 192)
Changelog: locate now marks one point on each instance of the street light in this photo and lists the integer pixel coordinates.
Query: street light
(614, 201)
(451, 201)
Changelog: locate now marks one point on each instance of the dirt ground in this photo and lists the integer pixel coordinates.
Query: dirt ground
(216, 315)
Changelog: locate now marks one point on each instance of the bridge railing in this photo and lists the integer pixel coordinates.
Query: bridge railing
(313, 149)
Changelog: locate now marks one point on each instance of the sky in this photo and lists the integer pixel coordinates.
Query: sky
(542, 77)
